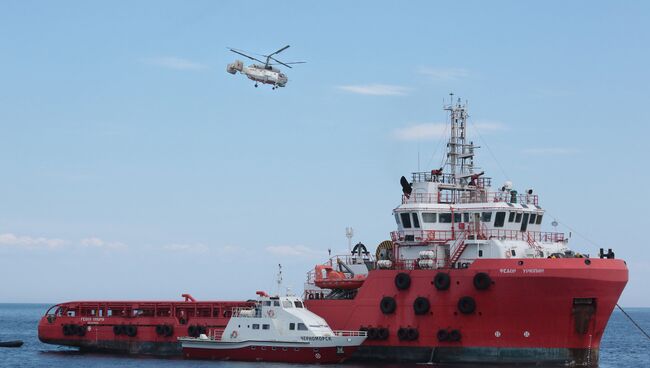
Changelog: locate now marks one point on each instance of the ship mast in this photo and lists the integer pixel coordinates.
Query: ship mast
(460, 154)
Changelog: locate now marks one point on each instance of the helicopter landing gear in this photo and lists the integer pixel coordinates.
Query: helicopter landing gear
(255, 85)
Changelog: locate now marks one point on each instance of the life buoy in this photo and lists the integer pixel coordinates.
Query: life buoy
(482, 281)
(421, 305)
(234, 334)
(442, 335)
(270, 313)
(466, 305)
(454, 335)
(387, 305)
(402, 281)
(442, 281)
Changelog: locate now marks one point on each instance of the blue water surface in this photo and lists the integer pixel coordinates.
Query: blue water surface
(622, 346)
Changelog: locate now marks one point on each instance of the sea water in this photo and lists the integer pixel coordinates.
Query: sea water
(622, 346)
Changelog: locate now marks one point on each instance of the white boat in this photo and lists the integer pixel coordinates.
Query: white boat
(275, 329)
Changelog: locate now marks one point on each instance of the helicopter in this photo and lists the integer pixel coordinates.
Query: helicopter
(263, 73)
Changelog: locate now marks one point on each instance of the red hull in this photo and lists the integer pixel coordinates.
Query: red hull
(269, 354)
(529, 307)
(521, 299)
(182, 319)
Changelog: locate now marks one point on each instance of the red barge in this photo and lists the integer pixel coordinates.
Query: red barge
(468, 276)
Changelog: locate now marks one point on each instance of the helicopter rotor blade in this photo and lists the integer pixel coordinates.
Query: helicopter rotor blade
(279, 62)
(279, 51)
(244, 55)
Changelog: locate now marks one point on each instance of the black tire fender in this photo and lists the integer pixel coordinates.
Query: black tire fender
(421, 305)
(466, 305)
(388, 305)
(442, 281)
(482, 281)
(402, 281)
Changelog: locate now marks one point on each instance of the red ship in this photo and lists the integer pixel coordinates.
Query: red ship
(468, 276)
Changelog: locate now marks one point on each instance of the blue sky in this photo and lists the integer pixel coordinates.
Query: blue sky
(134, 166)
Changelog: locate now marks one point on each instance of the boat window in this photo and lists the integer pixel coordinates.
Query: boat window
(511, 217)
(267, 303)
(416, 222)
(292, 326)
(513, 253)
(465, 217)
(486, 216)
(518, 218)
(302, 327)
(406, 220)
(499, 219)
(276, 303)
(256, 326)
(397, 218)
(539, 219)
(480, 253)
(429, 218)
(457, 217)
(298, 304)
(266, 327)
(284, 349)
(287, 304)
(444, 218)
(533, 217)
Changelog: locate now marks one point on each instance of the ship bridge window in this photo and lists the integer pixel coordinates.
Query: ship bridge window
(302, 327)
(457, 217)
(539, 219)
(532, 219)
(256, 326)
(466, 217)
(486, 216)
(499, 219)
(287, 304)
(276, 303)
(416, 222)
(397, 219)
(511, 217)
(518, 218)
(298, 304)
(429, 218)
(444, 218)
(266, 327)
(406, 220)
(292, 326)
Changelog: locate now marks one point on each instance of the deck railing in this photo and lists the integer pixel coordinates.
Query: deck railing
(470, 197)
(345, 333)
(443, 236)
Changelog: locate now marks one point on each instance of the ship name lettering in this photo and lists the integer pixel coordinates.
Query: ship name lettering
(533, 270)
(92, 319)
(316, 338)
(508, 270)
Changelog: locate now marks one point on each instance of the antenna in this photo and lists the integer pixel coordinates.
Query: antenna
(279, 278)
(349, 233)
